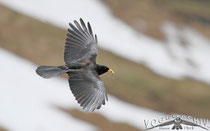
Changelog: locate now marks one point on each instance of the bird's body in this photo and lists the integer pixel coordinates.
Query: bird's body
(81, 49)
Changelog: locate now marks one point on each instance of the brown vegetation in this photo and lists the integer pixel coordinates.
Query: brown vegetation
(148, 16)
(100, 121)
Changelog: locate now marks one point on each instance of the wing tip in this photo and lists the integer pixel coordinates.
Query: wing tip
(81, 20)
(90, 28)
(90, 107)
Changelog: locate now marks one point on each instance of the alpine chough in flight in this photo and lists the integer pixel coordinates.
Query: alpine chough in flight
(81, 49)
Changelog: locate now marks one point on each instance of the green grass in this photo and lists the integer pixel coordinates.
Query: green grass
(43, 44)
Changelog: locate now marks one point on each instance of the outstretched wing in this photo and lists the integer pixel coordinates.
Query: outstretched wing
(163, 124)
(88, 89)
(192, 124)
(81, 45)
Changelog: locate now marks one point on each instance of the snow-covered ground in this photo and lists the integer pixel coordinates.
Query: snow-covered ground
(173, 59)
(28, 102)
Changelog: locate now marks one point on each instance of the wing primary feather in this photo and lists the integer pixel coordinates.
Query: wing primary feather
(99, 106)
(80, 87)
(68, 46)
(72, 32)
(94, 105)
(90, 105)
(83, 25)
(77, 31)
(90, 29)
(77, 87)
(103, 102)
(99, 103)
(78, 92)
(82, 102)
(96, 39)
(83, 95)
(75, 40)
(75, 35)
(100, 99)
(106, 96)
(79, 96)
(81, 30)
(88, 100)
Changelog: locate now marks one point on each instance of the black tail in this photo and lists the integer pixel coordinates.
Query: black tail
(51, 71)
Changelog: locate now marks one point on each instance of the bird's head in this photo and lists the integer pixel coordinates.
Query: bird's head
(101, 69)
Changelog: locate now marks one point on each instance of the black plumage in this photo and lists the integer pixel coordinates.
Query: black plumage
(81, 49)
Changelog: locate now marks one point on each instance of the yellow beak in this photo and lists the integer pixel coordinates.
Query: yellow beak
(110, 70)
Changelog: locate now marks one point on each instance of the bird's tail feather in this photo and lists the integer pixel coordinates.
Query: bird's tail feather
(51, 71)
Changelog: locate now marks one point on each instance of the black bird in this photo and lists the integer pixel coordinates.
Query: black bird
(81, 49)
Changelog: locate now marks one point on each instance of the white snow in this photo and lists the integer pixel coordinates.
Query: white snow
(193, 55)
(169, 59)
(28, 102)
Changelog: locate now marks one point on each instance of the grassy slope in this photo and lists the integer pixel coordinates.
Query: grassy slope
(148, 16)
(101, 122)
(43, 44)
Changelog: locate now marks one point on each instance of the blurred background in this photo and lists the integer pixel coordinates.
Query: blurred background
(159, 50)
